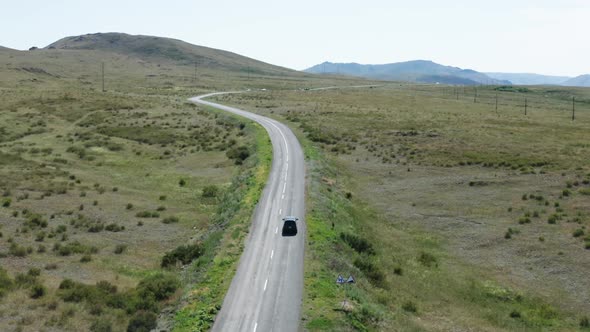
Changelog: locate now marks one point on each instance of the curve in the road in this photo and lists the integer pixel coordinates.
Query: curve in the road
(266, 291)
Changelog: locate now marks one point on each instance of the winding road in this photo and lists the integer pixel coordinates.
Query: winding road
(266, 291)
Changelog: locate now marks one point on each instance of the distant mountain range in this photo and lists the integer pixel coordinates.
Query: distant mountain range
(430, 72)
(536, 79)
(582, 80)
(414, 71)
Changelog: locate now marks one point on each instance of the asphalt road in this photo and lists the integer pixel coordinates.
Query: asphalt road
(266, 291)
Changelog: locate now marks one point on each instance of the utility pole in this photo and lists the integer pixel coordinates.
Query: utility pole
(248, 73)
(496, 102)
(573, 108)
(103, 90)
(195, 77)
(525, 105)
(475, 95)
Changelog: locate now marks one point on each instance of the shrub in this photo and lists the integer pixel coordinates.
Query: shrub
(86, 258)
(552, 219)
(514, 314)
(358, 243)
(182, 182)
(114, 227)
(566, 192)
(34, 272)
(37, 291)
(159, 286)
(371, 271)
(35, 220)
(120, 248)
(238, 154)
(129, 206)
(578, 232)
(161, 208)
(210, 191)
(524, 220)
(584, 322)
(170, 220)
(40, 237)
(409, 306)
(142, 321)
(184, 254)
(6, 284)
(147, 214)
(6, 202)
(427, 259)
(162, 197)
(16, 250)
(51, 266)
(101, 325)
(398, 271)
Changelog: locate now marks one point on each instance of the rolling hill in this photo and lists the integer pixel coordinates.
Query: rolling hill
(414, 71)
(167, 50)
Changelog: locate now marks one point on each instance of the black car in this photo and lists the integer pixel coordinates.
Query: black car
(290, 226)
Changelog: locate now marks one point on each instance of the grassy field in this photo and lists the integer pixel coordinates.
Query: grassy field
(98, 188)
(450, 214)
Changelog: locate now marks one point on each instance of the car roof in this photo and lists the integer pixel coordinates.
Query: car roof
(290, 218)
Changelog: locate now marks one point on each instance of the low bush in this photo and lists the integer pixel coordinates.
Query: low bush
(74, 247)
(17, 250)
(170, 220)
(120, 248)
(371, 271)
(409, 306)
(159, 286)
(85, 258)
(358, 243)
(238, 154)
(6, 283)
(147, 214)
(142, 321)
(578, 232)
(101, 325)
(183, 254)
(6, 202)
(210, 191)
(427, 259)
(114, 228)
(38, 291)
(35, 220)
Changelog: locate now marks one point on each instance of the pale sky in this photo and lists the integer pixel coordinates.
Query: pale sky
(542, 36)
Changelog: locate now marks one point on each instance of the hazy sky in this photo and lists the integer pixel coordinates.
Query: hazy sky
(542, 36)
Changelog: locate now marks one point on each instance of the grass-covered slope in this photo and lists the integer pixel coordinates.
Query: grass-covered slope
(158, 49)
